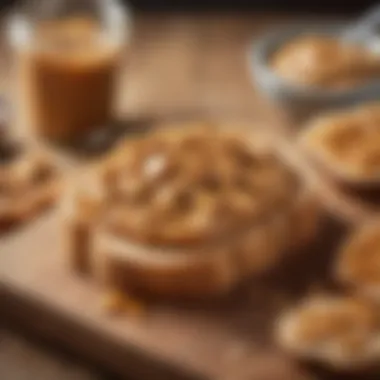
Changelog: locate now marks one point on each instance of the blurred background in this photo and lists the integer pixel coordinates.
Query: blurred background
(325, 6)
(270, 5)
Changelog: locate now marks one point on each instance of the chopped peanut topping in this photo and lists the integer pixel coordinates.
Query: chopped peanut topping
(196, 183)
(117, 302)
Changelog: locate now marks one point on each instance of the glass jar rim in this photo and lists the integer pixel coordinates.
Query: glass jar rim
(117, 17)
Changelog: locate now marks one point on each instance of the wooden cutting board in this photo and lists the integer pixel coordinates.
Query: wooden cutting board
(223, 339)
(220, 340)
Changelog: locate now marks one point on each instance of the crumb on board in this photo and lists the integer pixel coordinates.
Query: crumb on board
(116, 302)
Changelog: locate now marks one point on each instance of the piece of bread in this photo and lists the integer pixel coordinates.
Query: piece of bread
(358, 261)
(338, 332)
(29, 183)
(188, 213)
(345, 145)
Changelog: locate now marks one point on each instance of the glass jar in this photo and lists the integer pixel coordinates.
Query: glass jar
(67, 56)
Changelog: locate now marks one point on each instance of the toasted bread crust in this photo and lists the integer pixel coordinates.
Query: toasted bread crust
(23, 192)
(335, 331)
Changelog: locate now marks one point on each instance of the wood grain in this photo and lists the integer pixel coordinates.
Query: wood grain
(21, 360)
(192, 64)
(170, 341)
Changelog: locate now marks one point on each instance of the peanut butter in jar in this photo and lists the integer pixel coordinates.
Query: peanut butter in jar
(66, 75)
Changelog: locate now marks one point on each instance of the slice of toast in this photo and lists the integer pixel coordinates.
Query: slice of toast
(29, 184)
(357, 265)
(338, 332)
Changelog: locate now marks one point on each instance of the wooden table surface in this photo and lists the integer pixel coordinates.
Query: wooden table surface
(21, 359)
(178, 64)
